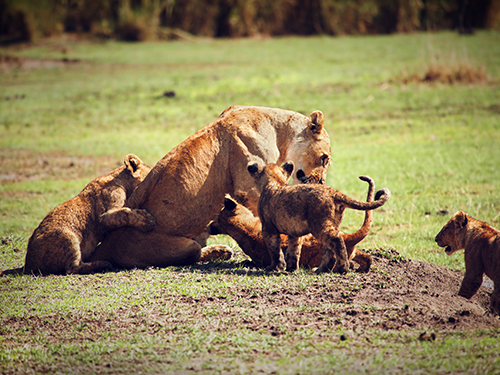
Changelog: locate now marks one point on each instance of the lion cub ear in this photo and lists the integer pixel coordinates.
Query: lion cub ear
(253, 168)
(317, 121)
(462, 219)
(288, 168)
(230, 204)
(132, 162)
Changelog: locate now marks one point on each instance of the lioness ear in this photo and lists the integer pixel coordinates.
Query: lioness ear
(288, 167)
(253, 168)
(132, 162)
(317, 121)
(229, 204)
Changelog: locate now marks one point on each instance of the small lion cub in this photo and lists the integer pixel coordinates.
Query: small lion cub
(297, 210)
(68, 235)
(481, 243)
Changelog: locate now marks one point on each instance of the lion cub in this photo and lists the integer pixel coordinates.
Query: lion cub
(239, 222)
(297, 210)
(482, 253)
(68, 235)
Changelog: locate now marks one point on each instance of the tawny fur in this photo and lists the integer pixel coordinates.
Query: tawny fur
(239, 222)
(67, 236)
(302, 209)
(185, 190)
(481, 243)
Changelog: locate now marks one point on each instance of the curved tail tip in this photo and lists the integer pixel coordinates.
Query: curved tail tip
(383, 194)
(365, 178)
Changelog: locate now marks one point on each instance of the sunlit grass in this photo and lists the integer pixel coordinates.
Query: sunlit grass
(434, 146)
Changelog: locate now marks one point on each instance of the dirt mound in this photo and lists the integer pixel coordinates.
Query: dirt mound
(397, 294)
(400, 293)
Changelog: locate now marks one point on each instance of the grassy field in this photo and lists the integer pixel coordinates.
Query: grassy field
(435, 146)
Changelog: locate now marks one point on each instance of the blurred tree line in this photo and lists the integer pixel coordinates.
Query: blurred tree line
(136, 20)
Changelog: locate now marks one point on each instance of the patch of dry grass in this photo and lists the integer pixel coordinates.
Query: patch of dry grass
(448, 70)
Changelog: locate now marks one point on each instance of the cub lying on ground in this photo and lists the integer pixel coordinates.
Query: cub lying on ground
(482, 253)
(68, 235)
(302, 209)
(239, 222)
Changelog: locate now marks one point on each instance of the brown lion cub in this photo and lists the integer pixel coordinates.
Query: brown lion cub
(239, 222)
(68, 235)
(297, 210)
(482, 253)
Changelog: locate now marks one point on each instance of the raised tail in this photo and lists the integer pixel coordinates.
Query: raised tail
(381, 197)
(353, 239)
(14, 271)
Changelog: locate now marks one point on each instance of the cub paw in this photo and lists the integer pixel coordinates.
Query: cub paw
(145, 221)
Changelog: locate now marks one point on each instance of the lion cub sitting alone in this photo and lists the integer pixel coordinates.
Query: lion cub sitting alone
(297, 210)
(482, 253)
(68, 235)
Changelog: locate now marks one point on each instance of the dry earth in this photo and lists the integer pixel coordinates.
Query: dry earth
(397, 294)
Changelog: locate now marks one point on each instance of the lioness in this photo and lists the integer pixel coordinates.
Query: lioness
(482, 253)
(185, 190)
(66, 237)
(239, 222)
(302, 209)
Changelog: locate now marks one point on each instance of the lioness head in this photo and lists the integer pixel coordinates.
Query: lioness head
(451, 237)
(311, 150)
(270, 174)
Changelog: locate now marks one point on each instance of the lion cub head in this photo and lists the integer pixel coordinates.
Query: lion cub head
(136, 168)
(452, 236)
(270, 174)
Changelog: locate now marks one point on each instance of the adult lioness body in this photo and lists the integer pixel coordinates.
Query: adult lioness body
(185, 190)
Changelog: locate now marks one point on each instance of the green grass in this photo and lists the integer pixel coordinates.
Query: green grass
(436, 147)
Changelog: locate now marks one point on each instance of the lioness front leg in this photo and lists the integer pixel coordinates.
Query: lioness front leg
(273, 244)
(293, 253)
(120, 217)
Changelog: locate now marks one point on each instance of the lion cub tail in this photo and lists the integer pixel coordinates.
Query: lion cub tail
(381, 198)
(14, 271)
(353, 239)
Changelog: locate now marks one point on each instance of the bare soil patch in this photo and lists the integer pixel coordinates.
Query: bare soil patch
(19, 165)
(397, 294)
(8, 62)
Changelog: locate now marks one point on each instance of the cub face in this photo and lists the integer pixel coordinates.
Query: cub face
(270, 174)
(452, 234)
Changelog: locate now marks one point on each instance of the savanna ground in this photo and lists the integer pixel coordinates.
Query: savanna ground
(435, 145)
